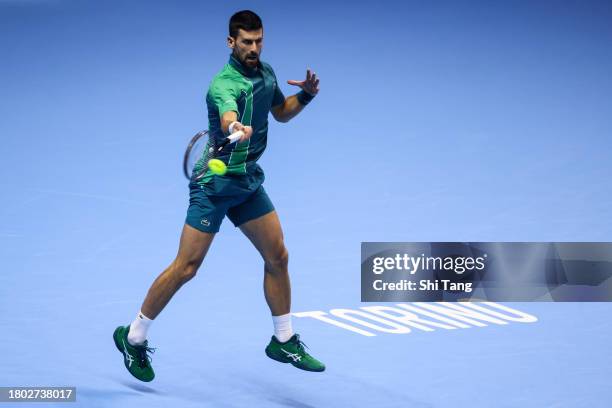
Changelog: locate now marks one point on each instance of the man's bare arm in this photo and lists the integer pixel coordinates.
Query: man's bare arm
(287, 110)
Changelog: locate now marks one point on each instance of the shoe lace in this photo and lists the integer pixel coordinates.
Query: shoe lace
(300, 344)
(143, 355)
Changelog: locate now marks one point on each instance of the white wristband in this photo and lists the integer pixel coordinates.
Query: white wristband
(231, 127)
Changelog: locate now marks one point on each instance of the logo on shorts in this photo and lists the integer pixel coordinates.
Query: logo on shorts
(205, 222)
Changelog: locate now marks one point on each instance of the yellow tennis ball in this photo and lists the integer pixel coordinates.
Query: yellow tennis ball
(217, 167)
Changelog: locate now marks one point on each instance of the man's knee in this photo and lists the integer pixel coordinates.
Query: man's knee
(185, 270)
(278, 260)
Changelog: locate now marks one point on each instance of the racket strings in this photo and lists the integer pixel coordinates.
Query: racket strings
(203, 148)
(207, 152)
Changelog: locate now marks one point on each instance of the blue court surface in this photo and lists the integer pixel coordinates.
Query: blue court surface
(448, 121)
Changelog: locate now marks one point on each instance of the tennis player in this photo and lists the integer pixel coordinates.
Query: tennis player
(239, 98)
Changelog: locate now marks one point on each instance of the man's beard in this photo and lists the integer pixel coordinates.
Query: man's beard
(249, 62)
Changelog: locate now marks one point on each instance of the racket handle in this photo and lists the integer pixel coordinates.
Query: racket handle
(233, 138)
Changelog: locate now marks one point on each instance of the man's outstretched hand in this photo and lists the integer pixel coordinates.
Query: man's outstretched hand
(310, 85)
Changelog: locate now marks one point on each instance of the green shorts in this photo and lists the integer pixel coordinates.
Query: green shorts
(242, 198)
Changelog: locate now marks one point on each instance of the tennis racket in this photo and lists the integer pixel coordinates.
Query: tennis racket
(201, 144)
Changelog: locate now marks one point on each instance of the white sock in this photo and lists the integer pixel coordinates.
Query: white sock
(282, 327)
(138, 329)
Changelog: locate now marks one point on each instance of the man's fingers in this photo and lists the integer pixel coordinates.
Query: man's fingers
(311, 83)
(248, 132)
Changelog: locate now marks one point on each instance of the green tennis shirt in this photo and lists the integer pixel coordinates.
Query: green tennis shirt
(250, 93)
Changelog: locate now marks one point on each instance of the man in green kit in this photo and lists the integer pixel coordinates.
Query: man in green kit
(238, 99)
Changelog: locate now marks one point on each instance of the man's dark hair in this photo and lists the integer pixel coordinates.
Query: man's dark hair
(246, 20)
